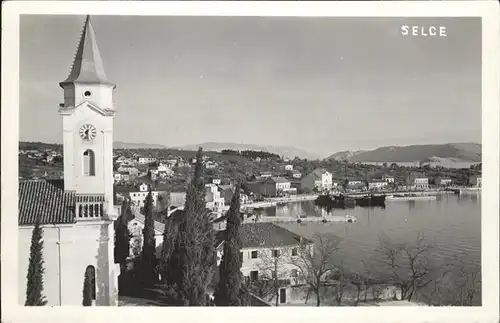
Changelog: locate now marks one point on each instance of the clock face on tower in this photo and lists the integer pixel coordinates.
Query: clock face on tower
(88, 132)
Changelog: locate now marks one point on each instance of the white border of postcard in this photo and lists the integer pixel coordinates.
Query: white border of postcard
(488, 10)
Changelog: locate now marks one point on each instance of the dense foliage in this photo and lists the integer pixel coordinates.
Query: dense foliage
(229, 289)
(193, 260)
(122, 235)
(148, 256)
(34, 287)
(253, 154)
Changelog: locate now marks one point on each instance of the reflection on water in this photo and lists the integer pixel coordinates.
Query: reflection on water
(451, 222)
(411, 205)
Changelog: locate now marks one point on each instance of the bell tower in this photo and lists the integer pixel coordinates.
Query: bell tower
(88, 113)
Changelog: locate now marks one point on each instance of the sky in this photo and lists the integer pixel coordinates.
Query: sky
(318, 84)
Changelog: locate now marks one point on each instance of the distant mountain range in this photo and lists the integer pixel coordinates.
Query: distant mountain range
(455, 152)
(286, 151)
(289, 152)
(128, 145)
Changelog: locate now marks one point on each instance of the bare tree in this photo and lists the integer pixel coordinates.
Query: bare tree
(260, 287)
(409, 264)
(458, 284)
(273, 271)
(342, 280)
(468, 283)
(314, 262)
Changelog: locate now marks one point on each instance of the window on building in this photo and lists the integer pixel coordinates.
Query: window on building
(276, 253)
(294, 252)
(275, 275)
(90, 278)
(241, 255)
(255, 254)
(88, 163)
(254, 275)
(295, 273)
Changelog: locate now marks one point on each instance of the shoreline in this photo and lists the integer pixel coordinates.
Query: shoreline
(406, 195)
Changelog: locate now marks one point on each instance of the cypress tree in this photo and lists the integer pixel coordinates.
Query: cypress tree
(34, 277)
(228, 290)
(193, 260)
(122, 235)
(148, 257)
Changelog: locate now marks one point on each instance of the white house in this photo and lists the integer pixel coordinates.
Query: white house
(210, 164)
(146, 160)
(139, 197)
(320, 178)
(77, 213)
(296, 174)
(388, 179)
(117, 177)
(443, 181)
(418, 182)
(163, 168)
(288, 167)
(213, 197)
(263, 244)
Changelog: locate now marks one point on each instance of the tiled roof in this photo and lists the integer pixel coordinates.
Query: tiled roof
(279, 179)
(46, 201)
(159, 227)
(226, 187)
(265, 235)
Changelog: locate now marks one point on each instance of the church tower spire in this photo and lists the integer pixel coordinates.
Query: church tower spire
(88, 113)
(87, 65)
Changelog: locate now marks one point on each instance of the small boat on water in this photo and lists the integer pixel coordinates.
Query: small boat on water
(335, 202)
(371, 201)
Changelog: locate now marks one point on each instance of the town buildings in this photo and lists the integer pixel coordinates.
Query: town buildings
(443, 181)
(78, 223)
(319, 179)
(418, 182)
(272, 186)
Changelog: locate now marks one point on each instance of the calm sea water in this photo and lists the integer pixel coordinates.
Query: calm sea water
(451, 222)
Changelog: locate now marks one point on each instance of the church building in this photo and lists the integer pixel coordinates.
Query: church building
(77, 213)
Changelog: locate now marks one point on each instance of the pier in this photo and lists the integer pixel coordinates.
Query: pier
(285, 219)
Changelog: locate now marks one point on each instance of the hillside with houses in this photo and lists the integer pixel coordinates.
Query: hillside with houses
(265, 175)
